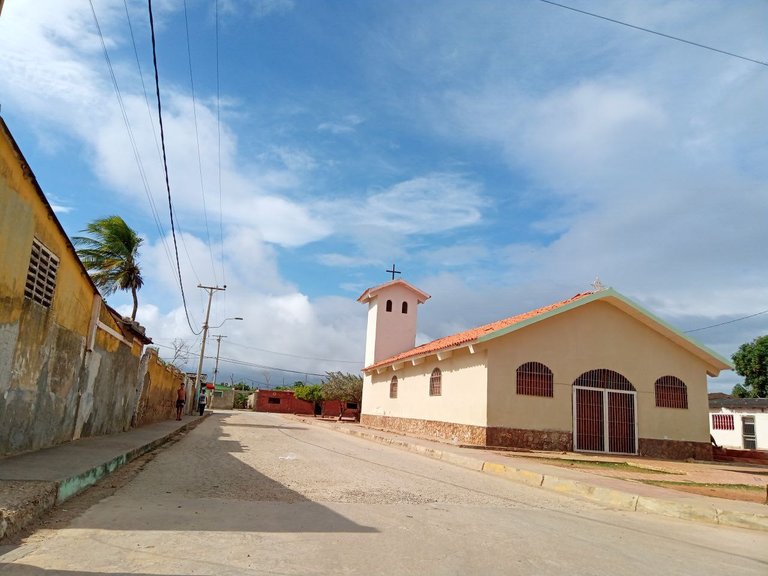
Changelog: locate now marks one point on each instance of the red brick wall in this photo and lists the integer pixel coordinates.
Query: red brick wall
(334, 408)
(288, 404)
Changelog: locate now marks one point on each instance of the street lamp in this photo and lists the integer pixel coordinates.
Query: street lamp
(210, 290)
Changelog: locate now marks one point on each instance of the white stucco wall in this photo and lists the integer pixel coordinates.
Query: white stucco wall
(464, 393)
(390, 333)
(734, 438)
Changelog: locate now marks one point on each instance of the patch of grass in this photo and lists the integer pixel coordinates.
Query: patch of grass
(671, 484)
(622, 466)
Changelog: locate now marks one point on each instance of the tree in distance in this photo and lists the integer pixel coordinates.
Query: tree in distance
(111, 256)
(310, 392)
(751, 361)
(343, 387)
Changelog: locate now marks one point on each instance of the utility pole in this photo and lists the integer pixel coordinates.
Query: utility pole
(218, 349)
(210, 290)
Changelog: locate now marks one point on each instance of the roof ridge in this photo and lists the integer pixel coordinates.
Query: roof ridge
(473, 333)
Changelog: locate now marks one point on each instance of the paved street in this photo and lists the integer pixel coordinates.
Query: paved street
(251, 493)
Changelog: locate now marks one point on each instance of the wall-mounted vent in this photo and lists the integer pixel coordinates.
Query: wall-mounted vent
(41, 275)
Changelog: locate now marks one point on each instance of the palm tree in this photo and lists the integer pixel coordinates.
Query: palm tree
(111, 256)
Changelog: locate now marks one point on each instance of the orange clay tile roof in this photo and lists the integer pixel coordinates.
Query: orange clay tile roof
(473, 333)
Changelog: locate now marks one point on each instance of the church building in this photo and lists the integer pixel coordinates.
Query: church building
(593, 373)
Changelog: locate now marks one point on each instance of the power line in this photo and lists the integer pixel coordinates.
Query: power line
(197, 142)
(727, 322)
(289, 355)
(129, 129)
(678, 39)
(296, 355)
(165, 162)
(153, 207)
(218, 126)
(248, 364)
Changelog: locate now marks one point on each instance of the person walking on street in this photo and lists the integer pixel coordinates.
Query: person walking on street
(181, 399)
(201, 401)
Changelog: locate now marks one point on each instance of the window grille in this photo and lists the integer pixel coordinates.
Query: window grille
(435, 383)
(722, 422)
(534, 379)
(389, 305)
(393, 387)
(41, 275)
(671, 392)
(604, 378)
(351, 405)
(404, 308)
(273, 400)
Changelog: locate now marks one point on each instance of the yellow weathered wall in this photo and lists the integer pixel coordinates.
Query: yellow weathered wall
(22, 216)
(596, 335)
(158, 395)
(53, 388)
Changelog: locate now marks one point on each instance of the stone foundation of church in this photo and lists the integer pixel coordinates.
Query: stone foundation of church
(430, 429)
(550, 440)
(555, 440)
(674, 449)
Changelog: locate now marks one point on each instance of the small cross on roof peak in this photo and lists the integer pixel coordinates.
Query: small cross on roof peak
(393, 271)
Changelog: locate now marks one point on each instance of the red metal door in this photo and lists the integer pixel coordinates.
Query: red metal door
(605, 421)
(589, 420)
(621, 422)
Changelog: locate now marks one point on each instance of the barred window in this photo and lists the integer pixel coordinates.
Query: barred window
(393, 387)
(389, 305)
(604, 378)
(722, 422)
(273, 400)
(534, 379)
(435, 383)
(671, 392)
(404, 308)
(41, 275)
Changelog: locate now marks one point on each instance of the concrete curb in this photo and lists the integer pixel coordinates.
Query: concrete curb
(45, 495)
(619, 499)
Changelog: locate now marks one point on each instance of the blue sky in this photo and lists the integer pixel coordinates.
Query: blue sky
(503, 154)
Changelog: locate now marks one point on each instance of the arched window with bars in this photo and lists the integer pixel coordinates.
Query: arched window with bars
(671, 392)
(393, 387)
(389, 306)
(435, 383)
(534, 379)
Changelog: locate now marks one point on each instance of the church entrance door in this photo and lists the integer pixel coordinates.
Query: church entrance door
(604, 413)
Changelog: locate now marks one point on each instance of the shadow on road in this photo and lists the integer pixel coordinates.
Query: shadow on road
(200, 485)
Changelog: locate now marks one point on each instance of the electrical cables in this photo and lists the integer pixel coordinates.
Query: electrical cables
(165, 163)
(676, 38)
(727, 322)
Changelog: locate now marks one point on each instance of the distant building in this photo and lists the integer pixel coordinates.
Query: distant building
(594, 373)
(739, 423)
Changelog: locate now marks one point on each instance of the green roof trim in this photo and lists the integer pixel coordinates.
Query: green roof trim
(604, 295)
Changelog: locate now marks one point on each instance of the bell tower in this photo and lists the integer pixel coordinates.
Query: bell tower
(392, 324)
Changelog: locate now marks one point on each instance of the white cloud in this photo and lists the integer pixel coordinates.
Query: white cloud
(345, 125)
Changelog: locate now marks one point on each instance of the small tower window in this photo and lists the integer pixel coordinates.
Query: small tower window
(389, 305)
(405, 308)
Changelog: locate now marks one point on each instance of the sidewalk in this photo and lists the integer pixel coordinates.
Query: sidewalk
(614, 489)
(33, 483)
